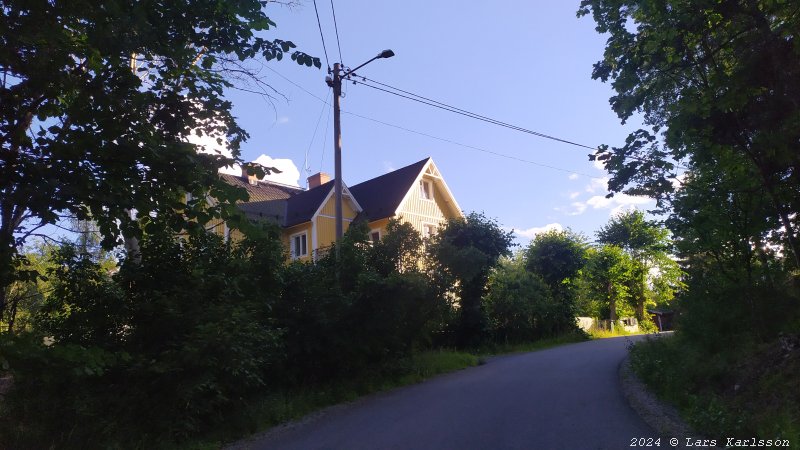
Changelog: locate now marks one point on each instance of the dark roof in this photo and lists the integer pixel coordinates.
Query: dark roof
(267, 199)
(273, 210)
(288, 205)
(381, 196)
(263, 190)
(301, 207)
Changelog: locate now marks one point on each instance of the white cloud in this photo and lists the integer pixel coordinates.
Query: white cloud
(599, 165)
(530, 233)
(619, 202)
(573, 176)
(209, 144)
(388, 166)
(622, 209)
(574, 195)
(577, 208)
(597, 185)
(679, 180)
(290, 174)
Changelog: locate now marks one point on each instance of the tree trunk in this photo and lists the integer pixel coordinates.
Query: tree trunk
(612, 304)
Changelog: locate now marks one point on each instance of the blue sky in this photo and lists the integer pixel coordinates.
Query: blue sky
(527, 63)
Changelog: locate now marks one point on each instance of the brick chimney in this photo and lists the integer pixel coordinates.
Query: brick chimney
(318, 179)
(251, 179)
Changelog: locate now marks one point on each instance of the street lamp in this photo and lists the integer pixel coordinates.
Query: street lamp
(336, 84)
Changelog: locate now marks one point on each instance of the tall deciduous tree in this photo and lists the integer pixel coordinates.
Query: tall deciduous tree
(647, 243)
(97, 101)
(558, 257)
(717, 82)
(609, 270)
(465, 251)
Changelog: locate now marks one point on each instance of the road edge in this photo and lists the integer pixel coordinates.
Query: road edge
(661, 417)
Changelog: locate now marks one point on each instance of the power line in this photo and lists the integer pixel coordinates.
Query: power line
(447, 140)
(321, 36)
(463, 112)
(325, 140)
(502, 155)
(306, 166)
(420, 133)
(444, 106)
(336, 27)
(296, 85)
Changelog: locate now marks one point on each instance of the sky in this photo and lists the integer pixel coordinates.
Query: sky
(527, 63)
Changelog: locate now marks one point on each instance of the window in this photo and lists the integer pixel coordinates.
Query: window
(375, 236)
(299, 247)
(428, 230)
(425, 190)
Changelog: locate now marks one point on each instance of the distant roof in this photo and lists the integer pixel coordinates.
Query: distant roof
(263, 190)
(381, 196)
(301, 207)
(267, 199)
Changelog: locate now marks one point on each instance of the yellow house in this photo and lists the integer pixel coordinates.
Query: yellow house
(416, 194)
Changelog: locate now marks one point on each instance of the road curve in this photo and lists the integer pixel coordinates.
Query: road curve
(566, 397)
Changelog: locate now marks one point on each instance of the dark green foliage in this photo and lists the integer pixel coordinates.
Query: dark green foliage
(751, 390)
(338, 320)
(717, 84)
(399, 251)
(98, 100)
(654, 275)
(609, 271)
(198, 334)
(520, 307)
(558, 257)
(463, 254)
(164, 348)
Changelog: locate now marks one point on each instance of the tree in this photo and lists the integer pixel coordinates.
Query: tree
(717, 83)
(647, 244)
(557, 256)
(464, 251)
(609, 270)
(520, 307)
(97, 102)
(400, 250)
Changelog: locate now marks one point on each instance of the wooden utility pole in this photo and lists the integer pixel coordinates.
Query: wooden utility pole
(335, 82)
(337, 153)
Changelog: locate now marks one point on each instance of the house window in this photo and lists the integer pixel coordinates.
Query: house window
(375, 236)
(425, 190)
(428, 230)
(299, 246)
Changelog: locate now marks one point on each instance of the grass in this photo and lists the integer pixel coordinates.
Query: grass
(749, 390)
(600, 333)
(286, 405)
(541, 344)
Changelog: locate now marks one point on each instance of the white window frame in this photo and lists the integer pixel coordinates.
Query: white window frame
(433, 226)
(293, 248)
(422, 191)
(371, 232)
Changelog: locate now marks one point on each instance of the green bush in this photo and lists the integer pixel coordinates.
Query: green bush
(339, 320)
(521, 308)
(157, 352)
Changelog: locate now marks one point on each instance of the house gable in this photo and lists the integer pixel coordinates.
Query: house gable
(438, 198)
(381, 196)
(416, 194)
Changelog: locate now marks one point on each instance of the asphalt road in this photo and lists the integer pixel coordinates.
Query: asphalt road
(566, 397)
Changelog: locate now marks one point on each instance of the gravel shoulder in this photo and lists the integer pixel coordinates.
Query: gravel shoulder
(663, 418)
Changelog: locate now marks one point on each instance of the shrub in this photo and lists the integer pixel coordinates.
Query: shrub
(157, 352)
(521, 308)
